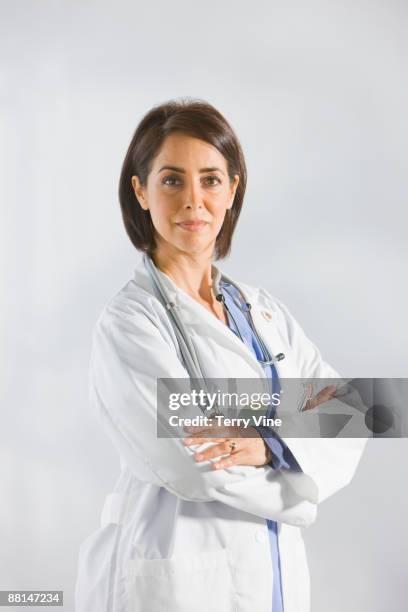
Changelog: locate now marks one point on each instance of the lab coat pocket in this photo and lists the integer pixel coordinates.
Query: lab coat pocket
(95, 569)
(184, 583)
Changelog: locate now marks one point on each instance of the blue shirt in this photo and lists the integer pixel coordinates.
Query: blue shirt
(282, 457)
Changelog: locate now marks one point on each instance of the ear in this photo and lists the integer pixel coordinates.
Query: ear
(139, 192)
(233, 189)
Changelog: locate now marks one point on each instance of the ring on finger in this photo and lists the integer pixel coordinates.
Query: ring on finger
(232, 446)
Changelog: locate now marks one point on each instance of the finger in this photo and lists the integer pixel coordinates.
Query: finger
(308, 404)
(196, 440)
(196, 429)
(210, 431)
(213, 451)
(323, 396)
(236, 458)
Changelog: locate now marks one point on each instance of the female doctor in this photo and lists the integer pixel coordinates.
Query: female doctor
(210, 524)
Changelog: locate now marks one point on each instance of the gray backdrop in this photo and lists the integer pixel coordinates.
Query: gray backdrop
(317, 92)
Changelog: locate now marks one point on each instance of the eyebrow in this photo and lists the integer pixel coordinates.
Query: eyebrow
(178, 169)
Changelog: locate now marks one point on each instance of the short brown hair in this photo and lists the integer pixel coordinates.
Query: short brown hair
(196, 118)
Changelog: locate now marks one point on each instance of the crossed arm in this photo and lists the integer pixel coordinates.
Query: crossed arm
(129, 353)
(264, 447)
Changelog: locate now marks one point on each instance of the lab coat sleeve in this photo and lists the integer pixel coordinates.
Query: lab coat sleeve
(129, 352)
(327, 464)
(282, 457)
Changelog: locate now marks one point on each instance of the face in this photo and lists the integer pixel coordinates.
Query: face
(188, 192)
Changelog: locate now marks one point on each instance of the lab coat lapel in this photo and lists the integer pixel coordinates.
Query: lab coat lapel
(266, 325)
(290, 383)
(199, 320)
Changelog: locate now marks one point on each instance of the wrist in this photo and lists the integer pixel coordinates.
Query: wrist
(268, 454)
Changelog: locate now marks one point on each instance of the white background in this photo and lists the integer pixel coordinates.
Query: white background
(317, 93)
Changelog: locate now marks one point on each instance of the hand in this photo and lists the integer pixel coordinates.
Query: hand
(248, 451)
(324, 395)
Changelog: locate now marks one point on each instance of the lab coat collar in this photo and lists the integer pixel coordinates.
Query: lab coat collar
(200, 320)
(186, 303)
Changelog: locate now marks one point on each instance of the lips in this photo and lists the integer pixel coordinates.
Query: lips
(193, 226)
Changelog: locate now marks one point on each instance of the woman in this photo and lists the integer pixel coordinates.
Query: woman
(204, 523)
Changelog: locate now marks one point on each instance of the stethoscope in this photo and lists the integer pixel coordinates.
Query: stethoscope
(187, 349)
(246, 308)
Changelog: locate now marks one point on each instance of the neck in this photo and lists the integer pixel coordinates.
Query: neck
(190, 272)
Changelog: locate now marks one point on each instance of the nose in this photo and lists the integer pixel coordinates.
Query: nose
(193, 196)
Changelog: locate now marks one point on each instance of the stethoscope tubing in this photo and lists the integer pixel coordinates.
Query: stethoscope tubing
(187, 349)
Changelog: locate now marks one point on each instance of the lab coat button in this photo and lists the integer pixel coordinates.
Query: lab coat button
(260, 536)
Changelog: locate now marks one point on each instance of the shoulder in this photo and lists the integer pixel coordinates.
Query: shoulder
(132, 309)
(128, 301)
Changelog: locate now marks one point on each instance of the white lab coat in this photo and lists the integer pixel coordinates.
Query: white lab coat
(176, 535)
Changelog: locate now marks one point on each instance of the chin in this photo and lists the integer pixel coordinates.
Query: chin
(195, 247)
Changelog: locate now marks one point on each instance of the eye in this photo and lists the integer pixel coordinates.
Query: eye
(213, 178)
(169, 178)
